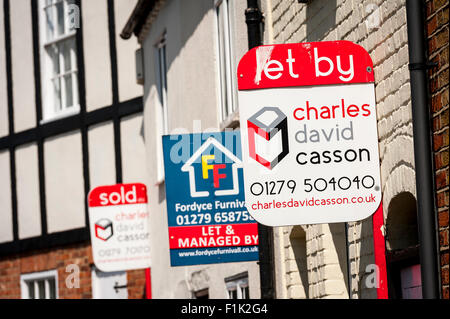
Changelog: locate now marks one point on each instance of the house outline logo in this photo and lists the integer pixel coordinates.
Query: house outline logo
(104, 229)
(189, 168)
(268, 131)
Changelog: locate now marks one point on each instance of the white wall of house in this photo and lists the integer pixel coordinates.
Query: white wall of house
(128, 88)
(64, 188)
(6, 226)
(22, 65)
(102, 162)
(134, 157)
(63, 156)
(192, 96)
(97, 53)
(28, 202)
(3, 95)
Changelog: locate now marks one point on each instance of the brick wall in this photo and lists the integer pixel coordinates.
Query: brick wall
(383, 34)
(437, 28)
(12, 267)
(136, 284)
(55, 259)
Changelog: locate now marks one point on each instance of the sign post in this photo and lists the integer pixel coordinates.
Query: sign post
(309, 133)
(119, 224)
(207, 219)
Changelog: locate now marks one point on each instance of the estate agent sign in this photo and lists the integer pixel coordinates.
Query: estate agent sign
(119, 224)
(309, 133)
(207, 218)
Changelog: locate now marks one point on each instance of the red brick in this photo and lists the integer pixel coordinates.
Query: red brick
(444, 276)
(432, 25)
(441, 158)
(438, 141)
(444, 259)
(445, 294)
(442, 199)
(441, 121)
(443, 238)
(441, 179)
(443, 218)
(438, 40)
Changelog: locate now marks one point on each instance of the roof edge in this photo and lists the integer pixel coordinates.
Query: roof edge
(138, 18)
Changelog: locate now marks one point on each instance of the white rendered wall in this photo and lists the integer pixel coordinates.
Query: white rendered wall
(126, 69)
(192, 96)
(97, 60)
(102, 163)
(22, 65)
(3, 91)
(6, 226)
(27, 181)
(134, 166)
(64, 186)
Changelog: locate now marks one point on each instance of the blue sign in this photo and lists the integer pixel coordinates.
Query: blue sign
(207, 217)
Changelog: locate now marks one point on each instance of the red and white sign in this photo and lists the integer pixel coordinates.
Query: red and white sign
(309, 133)
(119, 224)
(226, 235)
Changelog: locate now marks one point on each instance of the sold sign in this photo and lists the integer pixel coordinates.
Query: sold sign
(309, 133)
(119, 223)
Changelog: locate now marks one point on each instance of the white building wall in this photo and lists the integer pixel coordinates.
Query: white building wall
(192, 96)
(97, 60)
(28, 202)
(133, 149)
(62, 154)
(22, 65)
(384, 36)
(128, 88)
(4, 128)
(64, 187)
(102, 160)
(6, 229)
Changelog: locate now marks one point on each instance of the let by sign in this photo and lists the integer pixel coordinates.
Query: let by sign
(309, 133)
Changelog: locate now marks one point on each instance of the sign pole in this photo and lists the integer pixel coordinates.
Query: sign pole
(148, 284)
(309, 137)
(253, 18)
(380, 252)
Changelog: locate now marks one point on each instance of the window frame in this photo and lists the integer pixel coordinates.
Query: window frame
(238, 284)
(227, 97)
(48, 74)
(35, 278)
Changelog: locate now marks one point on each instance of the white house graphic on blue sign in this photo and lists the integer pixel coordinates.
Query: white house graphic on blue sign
(215, 168)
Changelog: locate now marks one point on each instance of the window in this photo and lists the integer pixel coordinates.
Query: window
(202, 294)
(237, 286)
(41, 285)
(162, 111)
(58, 59)
(402, 248)
(227, 83)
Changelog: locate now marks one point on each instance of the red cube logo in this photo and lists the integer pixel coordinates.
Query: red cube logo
(277, 124)
(104, 229)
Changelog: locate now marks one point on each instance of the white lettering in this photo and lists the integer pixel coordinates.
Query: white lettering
(278, 68)
(317, 60)
(290, 61)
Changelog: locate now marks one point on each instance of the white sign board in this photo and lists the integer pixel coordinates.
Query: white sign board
(119, 225)
(309, 133)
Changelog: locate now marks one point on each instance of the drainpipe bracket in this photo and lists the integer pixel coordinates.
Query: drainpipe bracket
(422, 66)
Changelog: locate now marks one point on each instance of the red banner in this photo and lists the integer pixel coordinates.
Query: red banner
(120, 194)
(304, 64)
(227, 235)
